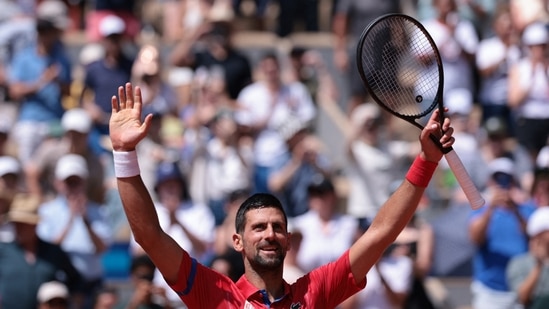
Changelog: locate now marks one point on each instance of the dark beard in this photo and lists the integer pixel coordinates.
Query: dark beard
(261, 263)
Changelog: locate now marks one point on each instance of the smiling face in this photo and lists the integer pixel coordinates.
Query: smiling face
(264, 240)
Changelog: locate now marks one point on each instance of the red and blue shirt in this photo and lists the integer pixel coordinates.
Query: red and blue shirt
(324, 287)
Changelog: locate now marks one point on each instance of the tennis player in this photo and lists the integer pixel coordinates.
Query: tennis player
(261, 230)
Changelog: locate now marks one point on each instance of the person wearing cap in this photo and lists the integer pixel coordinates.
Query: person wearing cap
(528, 273)
(189, 223)
(53, 295)
(10, 176)
(75, 223)
(529, 90)
(103, 75)
(39, 78)
(28, 261)
(76, 124)
(498, 230)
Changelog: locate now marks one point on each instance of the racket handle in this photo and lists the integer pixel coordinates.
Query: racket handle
(465, 182)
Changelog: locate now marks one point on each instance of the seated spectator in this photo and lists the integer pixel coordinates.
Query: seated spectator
(528, 274)
(77, 224)
(39, 173)
(308, 158)
(53, 294)
(144, 294)
(28, 261)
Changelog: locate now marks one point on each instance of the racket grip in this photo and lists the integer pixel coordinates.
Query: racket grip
(464, 180)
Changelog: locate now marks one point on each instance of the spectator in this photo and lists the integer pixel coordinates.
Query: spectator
(104, 9)
(417, 241)
(107, 298)
(495, 55)
(53, 294)
(29, 261)
(190, 224)
(528, 274)
(39, 78)
(145, 294)
(326, 231)
(350, 19)
(147, 73)
(102, 76)
(226, 167)
(217, 52)
(457, 41)
(264, 107)
(371, 167)
(539, 193)
(389, 284)
(10, 177)
(40, 172)
(498, 229)
(496, 142)
(308, 67)
(529, 90)
(308, 159)
(77, 224)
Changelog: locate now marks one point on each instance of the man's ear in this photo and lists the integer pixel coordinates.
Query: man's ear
(237, 242)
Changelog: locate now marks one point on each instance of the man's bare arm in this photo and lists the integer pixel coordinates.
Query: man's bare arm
(126, 131)
(399, 208)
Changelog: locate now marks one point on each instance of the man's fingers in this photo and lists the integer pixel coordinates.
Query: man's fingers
(129, 95)
(114, 104)
(121, 98)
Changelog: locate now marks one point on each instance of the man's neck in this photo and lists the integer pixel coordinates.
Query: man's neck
(270, 281)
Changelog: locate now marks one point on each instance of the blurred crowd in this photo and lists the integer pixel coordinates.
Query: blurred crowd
(227, 123)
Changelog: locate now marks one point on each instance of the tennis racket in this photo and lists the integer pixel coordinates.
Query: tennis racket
(401, 68)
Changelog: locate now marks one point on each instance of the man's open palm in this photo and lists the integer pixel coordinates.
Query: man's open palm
(126, 128)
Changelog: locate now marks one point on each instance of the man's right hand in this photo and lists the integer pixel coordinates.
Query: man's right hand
(126, 128)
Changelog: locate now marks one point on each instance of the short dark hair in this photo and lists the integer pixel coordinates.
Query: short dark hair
(257, 201)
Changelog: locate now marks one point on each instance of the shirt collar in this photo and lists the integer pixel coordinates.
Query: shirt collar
(251, 291)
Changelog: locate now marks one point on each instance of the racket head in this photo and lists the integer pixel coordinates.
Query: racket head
(400, 66)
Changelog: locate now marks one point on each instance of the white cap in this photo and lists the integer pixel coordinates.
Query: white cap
(9, 165)
(535, 34)
(55, 11)
(110, 25)
(459, 101)
(71, 165)
(502, 165)
(538, 221)
(52, 290)
(364, 112)
(76, 119)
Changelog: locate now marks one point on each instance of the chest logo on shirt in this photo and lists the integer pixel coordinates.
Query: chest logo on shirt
(295, 306)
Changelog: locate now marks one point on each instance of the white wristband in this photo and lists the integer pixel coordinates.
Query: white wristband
(125, 164)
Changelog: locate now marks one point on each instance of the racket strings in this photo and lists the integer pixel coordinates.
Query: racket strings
(400, 66)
